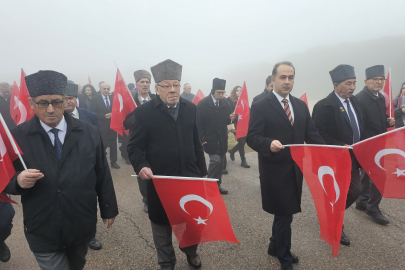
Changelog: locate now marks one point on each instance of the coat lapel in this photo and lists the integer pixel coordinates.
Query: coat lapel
(70, 138)
(341, 109)
(277, 106)
(299, 115)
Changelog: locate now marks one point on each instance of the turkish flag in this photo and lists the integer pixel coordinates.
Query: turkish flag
(383, 159)
(15, 94)
(327, 172)
(243, 112)
(195, 209)
(123, 104)
(89, 80)
(199, 96)
(303, 97)
(387, 93)
(7, 156)
(6, 199)
(25, 112)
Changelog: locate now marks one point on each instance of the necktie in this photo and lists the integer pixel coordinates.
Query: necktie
(356, 134)
(72, 114)
(145, 100)
(172, 110)
(107, 102)
(217, 103)
(288, 111)
(57, 144)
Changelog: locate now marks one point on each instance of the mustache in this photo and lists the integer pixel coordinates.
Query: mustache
(286, 86)
(350, 91)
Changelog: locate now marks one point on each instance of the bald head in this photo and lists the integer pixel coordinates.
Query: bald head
(105, 89)
(5, 90)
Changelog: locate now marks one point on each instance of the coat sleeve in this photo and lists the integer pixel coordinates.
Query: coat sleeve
(199, 152)
(311, 133)
(321, 122)
(129, 120)
(13, 187)
(200, 122)
(104, 186)
(256, 133)
(137, 144)
(94, 108)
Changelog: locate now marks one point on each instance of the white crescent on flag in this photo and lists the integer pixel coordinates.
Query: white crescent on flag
(192, 197)
(384, 152)
(3, 149)
(23, 112)
(121, 102)
(324, 170)
(16, 101)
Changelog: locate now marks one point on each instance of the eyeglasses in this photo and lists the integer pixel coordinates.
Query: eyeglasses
(376, 80)
(166, 87)
(221, 93)
(45, 104)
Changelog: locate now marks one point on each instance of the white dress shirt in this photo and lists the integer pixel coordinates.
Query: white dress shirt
(62, 130)
(351, 107)
(215, 100)
(75, 113)
(280, 99)
(105, 101)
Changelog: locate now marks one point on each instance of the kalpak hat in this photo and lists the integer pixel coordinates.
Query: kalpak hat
(375, 71)
(218, 84)
(46, 82)
(166, 70)
(139, 74)
(342, 73)
(72, 89)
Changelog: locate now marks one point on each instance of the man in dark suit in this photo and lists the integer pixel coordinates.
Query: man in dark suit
(164, 141)
(101, 105)
(5, 94)
(376, 121)
(275, 120)
(339, 120)
(213, 115)
(268, 88)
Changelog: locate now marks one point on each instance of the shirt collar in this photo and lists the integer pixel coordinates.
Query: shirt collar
(341, 99)
(280, 98)
(75, 112)
(213, 99)
(61, 126)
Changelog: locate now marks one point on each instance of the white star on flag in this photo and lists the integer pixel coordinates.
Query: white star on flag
(200, 220)
(399, 172)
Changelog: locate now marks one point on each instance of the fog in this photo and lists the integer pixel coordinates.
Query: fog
(234, 40)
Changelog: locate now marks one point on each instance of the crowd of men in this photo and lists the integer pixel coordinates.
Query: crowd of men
(65, 146)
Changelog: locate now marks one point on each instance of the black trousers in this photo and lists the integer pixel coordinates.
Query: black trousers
(370, 195)
(124, 146)
(281, 239)
(6, 220)
(112, 143)
(355, 186)
(240, 147)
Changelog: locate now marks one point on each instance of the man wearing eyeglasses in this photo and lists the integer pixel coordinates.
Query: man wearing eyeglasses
(214, 114)
(67, 174)
(102, 105)
(376, 121)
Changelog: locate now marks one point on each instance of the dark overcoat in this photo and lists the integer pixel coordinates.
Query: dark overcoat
(129, 119)
(398, 113)
(374, 112)
(97, 105)
(166, 146)
(88, 116)
(280, 177)
(212, 125)
(5, 112)
(261, 95)
(60, 210)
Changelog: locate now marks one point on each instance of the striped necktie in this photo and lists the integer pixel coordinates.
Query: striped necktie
(288, 111)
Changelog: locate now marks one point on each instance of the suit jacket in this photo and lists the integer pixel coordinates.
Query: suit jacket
(332, 120)
(374, 112)
(98, 106)
(166, 146)
(280, 177)
(88, 117)
(5, 112)
(212, 124)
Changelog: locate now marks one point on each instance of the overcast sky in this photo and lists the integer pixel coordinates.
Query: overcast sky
(209, 38)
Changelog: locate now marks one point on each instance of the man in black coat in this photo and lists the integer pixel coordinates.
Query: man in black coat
(164, 141)
(268, 88)
(376, 121)
(143, 95)
(213, 116)
(68, 173)
(101, 105)
(5, 94)
(276, 120)
(340, 121)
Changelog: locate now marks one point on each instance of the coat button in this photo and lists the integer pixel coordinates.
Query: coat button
(58, 190)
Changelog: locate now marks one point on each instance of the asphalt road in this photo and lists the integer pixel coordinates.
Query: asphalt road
(129, 245)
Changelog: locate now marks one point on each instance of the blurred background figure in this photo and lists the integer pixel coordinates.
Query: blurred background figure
(399, 107)
(5, 93)
(88, 92)
(187, 93)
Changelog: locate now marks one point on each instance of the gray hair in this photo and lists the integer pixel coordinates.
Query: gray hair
(185, 85)
(4, 85)
(274, 72)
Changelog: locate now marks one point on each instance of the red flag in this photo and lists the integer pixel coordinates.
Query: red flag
(89, 80)
(383, 159)
(199, 96)
(7, 156)
(25, 112)
(195, 209)
(123, 104)
(387, 93)
(6, 199)
(243, 112)
(327, 171)
(303, 97)
(15, 94)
